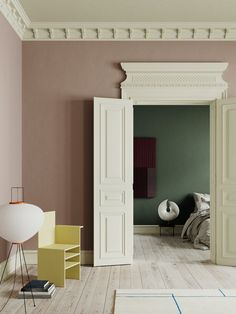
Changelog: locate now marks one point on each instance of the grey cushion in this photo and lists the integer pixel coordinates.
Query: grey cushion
(202, 201)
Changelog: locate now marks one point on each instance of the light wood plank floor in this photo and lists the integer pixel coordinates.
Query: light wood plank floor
(159, 263)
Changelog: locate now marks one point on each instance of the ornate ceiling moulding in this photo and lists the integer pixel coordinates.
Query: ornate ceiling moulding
(131, 31)
(147, 83)
(27, 30)
(15, 15)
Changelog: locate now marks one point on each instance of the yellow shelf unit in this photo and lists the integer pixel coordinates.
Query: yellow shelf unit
(71, 264)
(59, 251)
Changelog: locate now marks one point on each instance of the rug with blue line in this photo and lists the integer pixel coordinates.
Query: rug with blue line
(175, 301)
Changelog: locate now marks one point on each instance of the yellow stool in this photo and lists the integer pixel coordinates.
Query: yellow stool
(58, 251)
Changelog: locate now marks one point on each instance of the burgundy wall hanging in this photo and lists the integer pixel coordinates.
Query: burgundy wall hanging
(144, 167)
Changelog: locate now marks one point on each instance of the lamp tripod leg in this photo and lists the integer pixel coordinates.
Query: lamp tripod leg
(22, 277)
(5, 267)
(14, 282)
(27, 272)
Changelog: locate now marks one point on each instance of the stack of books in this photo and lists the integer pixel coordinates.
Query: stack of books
(42, 289)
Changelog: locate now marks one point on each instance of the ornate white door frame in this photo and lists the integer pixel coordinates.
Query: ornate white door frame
(180, 83)
(173, 83)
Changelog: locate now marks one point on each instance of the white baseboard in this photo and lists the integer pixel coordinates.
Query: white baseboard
(10, 266)
(31, 257)
(146, 229)
(155, 229)
(87, 255)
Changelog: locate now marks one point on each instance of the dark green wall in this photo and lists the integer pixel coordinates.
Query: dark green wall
(183, 164)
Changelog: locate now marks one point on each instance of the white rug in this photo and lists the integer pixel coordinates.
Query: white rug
(181, 301)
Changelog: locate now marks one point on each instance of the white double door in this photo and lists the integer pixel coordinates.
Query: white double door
(113, 181)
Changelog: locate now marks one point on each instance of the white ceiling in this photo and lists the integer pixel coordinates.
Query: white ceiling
(130, 10)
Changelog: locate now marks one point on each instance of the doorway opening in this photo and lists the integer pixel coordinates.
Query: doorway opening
(180, 174)
(160, 84)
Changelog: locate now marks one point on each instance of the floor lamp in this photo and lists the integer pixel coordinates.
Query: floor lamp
(19, 221)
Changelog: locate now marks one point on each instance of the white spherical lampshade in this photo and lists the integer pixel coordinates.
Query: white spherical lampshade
(20, 221)
(168, 210)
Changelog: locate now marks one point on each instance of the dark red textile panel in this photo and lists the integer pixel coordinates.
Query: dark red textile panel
(144, 167)
(144, 152)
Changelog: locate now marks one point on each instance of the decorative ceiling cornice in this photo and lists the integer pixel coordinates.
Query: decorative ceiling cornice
(150, 31)
(15, 15)
(131, 31)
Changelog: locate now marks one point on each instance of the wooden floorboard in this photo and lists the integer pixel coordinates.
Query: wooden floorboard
(159, 263)
(113, 283)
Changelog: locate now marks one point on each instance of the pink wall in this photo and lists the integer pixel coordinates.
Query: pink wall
(59, 82)
(10, 114)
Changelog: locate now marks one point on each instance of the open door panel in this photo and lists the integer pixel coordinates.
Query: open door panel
(226, 182)
(113, 181)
